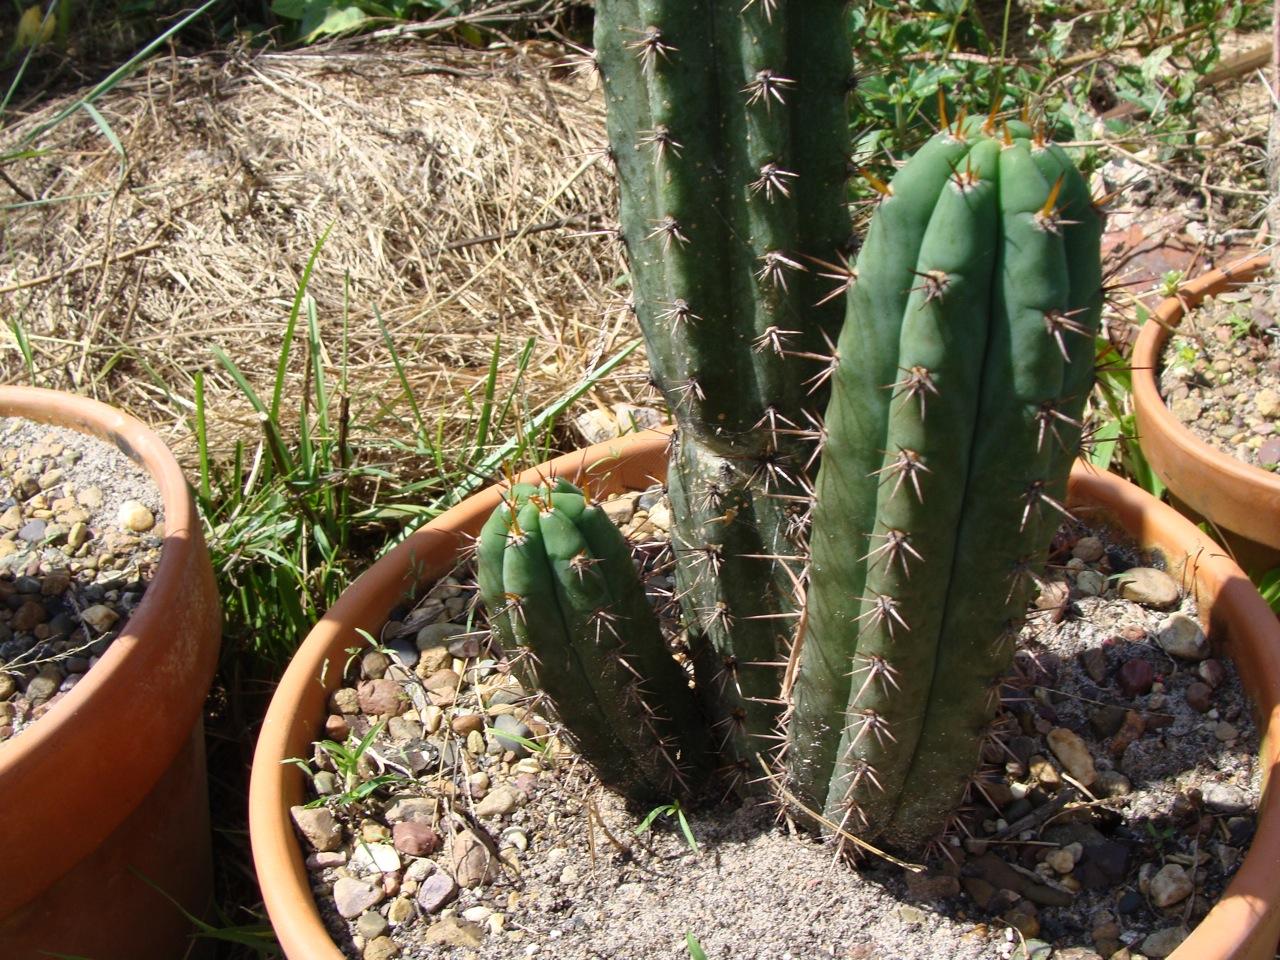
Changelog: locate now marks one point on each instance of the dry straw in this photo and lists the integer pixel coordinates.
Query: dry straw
(468, 196)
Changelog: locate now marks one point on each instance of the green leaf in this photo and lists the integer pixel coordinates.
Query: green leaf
(323, 19)
(695, 948)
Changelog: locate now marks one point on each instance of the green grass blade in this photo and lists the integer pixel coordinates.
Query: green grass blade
(283, 364)
(202, 440)
(109, 82)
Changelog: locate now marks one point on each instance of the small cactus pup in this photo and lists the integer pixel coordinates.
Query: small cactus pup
(962, 372)
(728, 124)
(561, 589)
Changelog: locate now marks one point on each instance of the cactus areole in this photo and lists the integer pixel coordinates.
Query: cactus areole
(956, 391)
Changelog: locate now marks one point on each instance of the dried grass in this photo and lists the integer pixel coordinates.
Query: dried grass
(467, 194)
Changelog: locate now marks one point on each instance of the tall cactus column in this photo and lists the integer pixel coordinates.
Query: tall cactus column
(963, 368)
(729, 127)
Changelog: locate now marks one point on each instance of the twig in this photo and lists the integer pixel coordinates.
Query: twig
(835, 828)
(80, 268)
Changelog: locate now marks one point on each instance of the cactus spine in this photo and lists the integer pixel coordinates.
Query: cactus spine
(963, 367)
(729, 129)
(558, 579)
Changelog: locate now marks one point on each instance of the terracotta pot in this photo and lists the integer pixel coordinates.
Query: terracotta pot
(1236, 496)
(104, 815)
(1243, 926)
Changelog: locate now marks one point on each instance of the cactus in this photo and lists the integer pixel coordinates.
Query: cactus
(558, 579)
(956, 392)
(955, 415)
(729, 129)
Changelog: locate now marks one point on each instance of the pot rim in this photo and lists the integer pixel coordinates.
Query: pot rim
(86, 764)
(1237, 490)
(1243, 924)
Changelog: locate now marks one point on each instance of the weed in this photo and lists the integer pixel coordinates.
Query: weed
(672, 809)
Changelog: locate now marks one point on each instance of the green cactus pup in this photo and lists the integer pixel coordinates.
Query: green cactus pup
(558, 579)
(961, 376)
(729, 128)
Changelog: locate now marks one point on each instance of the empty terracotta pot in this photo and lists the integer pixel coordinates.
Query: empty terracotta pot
(104, 815)
(1236, 496)
(1243, 926)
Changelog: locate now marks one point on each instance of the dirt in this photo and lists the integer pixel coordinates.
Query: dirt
(581, 877)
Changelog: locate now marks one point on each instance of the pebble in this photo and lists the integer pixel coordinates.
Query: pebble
(506, 729)
(1267, 402)
(371, 925)
(1199, 697)
(1091, 583)
(437, 636)
(472, 862)
(436, 892)
(1094, 662)
(1225, 798)
(1135, 677)
(1170, 884)
(452, 932)
(318, 827)
(1181, 636)
(375, 858)
(1163, 942)
(353, 897)
(1073, 754)
(381, 948)
(380, 697)
(415, 839)
(1211, 672)
(135, 516)
(1225, 732)
(401, 911)
(1088, 549)
(100, 616)
(498, 803)
(466, 723)
(1149, 587)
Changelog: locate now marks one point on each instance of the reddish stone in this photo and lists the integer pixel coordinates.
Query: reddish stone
(380, 697)
(1131, 730)
(336, 727)
(1200, 697)
(1135, 677)
(415, 839)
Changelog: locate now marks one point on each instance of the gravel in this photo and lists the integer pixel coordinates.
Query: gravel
(1118, 801)
(81, 528)
(1220, 376)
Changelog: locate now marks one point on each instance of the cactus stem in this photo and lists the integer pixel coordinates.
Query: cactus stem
(1022, 572)
(907, 466)
(650, 47)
